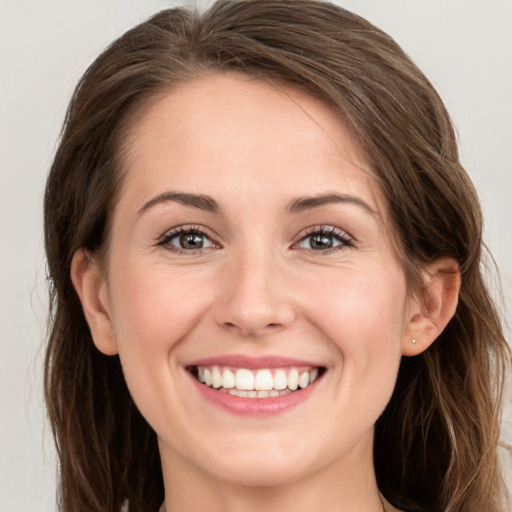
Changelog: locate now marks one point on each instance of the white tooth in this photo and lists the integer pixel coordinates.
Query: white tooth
(273, 392)
(263, 394)
(293, 379)
(200, 374)
(238, 392)
(280, 380)
(216, 378)
(207, 377)
(304, 380)
(252, 394)
(313, 376)
(264, 380)
(228, 379)
(244, 379)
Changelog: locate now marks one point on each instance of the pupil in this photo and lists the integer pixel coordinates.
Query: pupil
(191, 241)
(321, 242)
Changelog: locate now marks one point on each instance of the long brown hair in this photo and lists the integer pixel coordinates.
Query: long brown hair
(436, 441)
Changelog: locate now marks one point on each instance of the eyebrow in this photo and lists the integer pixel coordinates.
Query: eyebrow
(198, 201)
(206, 203)
(307, 203)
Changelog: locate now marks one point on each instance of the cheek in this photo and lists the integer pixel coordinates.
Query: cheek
(154, 311)
(154, 308)
(363, 315)
(367, 301)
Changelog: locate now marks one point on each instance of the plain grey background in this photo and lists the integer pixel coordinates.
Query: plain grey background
(463, 46)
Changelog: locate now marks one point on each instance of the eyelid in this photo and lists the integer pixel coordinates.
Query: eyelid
(164, 239)
(347, 240)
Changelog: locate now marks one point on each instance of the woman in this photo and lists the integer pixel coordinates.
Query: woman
(265, 266)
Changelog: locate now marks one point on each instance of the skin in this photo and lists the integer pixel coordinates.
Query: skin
(256, 288)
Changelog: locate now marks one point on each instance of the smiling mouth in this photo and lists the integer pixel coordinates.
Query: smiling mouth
(262, 383)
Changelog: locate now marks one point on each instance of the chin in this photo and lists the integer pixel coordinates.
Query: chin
(261, 461)
(260, 473)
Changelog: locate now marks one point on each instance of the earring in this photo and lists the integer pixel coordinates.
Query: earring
(414, 341)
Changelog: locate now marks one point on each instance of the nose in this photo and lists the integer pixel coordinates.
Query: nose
(255, 298)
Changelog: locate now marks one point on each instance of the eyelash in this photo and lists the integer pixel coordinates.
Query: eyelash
(185, 230)
(345, 241)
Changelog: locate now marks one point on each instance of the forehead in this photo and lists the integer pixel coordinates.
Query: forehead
(228, 132)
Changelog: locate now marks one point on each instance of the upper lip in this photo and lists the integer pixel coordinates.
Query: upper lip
(251, 362)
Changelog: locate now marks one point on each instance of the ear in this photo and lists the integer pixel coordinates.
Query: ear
(91, 287)
(433, 307)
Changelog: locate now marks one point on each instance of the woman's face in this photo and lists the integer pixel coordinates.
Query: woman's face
(249, 248)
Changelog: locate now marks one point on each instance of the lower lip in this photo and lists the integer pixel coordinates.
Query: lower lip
(255, 406)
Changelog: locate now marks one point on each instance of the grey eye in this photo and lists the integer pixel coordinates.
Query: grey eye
(187, 240)
(321, 241)
(191, 241)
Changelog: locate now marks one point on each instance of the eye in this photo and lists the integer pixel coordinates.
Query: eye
(186, 239)
(324, 239)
